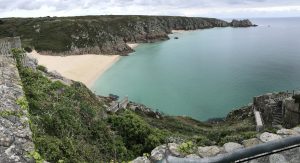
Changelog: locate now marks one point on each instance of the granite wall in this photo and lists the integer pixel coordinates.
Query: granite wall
(15, 134)
(6, 44)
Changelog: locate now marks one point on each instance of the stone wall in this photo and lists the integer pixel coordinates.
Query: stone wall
(6, 44)
(15, 134)
(291, 112)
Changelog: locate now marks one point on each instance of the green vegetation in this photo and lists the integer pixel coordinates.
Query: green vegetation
(22, 102)
(7, 113)
(41, 68)
(187, 147)
(69, 124)
(138, 136)
(61, 34)
(36, 156)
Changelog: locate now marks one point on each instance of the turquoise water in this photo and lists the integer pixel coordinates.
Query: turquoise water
(207, 73)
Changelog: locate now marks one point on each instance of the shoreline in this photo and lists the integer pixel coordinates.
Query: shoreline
(86, 68)
(178, 31)
(132, 45)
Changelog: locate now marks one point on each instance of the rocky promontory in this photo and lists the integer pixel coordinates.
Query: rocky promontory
(242, 23)
(101, 34)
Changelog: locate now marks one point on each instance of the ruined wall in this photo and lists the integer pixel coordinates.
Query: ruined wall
(292, 112)
(6, 44)
(15, 134)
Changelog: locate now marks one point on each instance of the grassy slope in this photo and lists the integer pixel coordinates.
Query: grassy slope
(69, 123)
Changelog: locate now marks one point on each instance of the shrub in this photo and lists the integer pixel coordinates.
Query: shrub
(137, 135)
(201, 140)
(231, 138)
(66, 121)
(28, 49)
(41, 68)
(187, 147)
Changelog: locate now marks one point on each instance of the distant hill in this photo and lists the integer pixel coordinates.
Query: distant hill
(98, 34)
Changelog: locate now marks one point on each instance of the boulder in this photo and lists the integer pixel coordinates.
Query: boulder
(192, 156)
(266, 137)
(230, 147)
(287, 132)
(250, 142)
(141, 160)
(208, 151)
(297, 129)
(174, 149)
(277, 158)
(158, 153)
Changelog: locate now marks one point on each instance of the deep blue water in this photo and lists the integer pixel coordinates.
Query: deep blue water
(206, 73)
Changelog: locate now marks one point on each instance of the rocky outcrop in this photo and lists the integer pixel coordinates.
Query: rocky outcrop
(241, 23)
(231, 146)
(250, 142)
(15, 134)
(266, 137)
(172, 149)
(208, 151)
(158, 153)
(141, 160)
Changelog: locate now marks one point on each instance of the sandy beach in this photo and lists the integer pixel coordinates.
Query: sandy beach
(178, 31)
(133, 45)
(85, 68)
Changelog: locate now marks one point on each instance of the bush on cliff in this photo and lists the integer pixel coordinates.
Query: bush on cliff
(139, 137)
(68, 124)
(66, 121)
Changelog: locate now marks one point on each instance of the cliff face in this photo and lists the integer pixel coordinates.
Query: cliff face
(98, 34)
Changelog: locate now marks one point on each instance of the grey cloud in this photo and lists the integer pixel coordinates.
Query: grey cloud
(66, 4)
(105, 6)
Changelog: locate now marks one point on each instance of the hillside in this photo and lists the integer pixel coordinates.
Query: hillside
(70, 124)
(100, 34)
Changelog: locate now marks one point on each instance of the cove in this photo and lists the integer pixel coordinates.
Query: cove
(207, 73)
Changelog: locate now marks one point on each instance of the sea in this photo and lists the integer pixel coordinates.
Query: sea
(207, 73)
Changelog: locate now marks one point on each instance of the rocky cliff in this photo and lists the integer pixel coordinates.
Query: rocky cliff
(100, 34)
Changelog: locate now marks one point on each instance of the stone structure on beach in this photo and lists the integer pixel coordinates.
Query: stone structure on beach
(278, 109)
(15, 134)
(6, 44)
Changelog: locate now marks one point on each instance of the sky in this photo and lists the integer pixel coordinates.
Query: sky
(197, 8)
